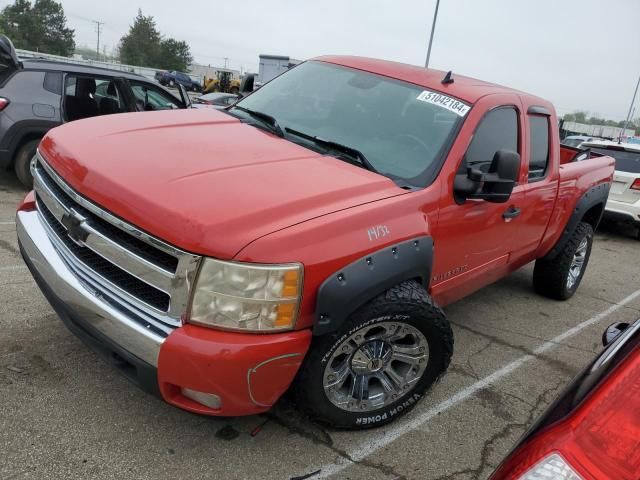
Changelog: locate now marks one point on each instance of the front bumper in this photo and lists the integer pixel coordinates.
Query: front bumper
(248, 372)
(623, 212)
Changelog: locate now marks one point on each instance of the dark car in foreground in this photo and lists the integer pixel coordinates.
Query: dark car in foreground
(592, 431)
(37, 95)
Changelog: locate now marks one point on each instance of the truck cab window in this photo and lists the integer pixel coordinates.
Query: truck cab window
(498, 130)
(539, 146)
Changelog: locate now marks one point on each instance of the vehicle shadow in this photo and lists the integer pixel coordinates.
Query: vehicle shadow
(618, 230)
(9, 183)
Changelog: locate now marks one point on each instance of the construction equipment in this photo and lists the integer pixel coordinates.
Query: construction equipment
(223, 82)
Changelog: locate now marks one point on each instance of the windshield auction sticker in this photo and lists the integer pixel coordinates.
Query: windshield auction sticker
(451, 104)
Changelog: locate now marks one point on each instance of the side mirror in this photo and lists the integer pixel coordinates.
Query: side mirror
(612, 332)
(495, 185)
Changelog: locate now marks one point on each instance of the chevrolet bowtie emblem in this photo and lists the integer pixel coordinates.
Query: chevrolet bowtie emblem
(73, 223)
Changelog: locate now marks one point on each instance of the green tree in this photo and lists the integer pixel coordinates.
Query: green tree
(141, 46)
(580, 117)
(145, 46)
(41, 27)
(175, 55)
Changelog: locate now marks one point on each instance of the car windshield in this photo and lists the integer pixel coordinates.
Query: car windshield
(402, 129)
(625, 161)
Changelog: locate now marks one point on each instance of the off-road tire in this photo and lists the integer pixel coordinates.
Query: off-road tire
(550, 275)
(22, 162)
(406, 303)
(234, 90)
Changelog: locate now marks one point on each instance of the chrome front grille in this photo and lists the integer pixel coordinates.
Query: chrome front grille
(140, 272)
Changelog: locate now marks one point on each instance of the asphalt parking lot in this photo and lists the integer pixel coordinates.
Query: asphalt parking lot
(66, 414)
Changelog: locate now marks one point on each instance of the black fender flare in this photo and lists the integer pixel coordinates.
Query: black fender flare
(592, 197)
(358, 282)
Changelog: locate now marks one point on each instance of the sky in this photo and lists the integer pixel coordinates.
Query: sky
(580, 54)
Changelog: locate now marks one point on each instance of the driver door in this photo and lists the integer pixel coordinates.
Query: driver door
(473, 238)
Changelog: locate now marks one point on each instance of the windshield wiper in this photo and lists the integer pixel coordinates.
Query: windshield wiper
(344, 149)
(265, 117)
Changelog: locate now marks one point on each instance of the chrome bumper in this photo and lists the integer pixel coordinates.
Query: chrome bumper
(90, 308)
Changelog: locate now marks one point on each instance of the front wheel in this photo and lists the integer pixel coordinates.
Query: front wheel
(380, 364)
(560, 277)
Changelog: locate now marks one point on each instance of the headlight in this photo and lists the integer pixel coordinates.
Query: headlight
(247, 297)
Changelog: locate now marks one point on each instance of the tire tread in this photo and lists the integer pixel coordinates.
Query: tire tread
(550, 275)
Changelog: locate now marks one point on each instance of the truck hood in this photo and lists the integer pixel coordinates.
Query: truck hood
(201, 179)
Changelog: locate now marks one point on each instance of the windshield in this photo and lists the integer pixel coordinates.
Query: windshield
(625, 161)
(402, 129)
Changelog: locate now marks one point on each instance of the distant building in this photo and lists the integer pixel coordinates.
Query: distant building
(601, 131)
(271, 66)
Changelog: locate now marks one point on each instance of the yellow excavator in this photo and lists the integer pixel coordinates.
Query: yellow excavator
(222, 82)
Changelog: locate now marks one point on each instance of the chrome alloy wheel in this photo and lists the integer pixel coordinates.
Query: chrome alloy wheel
(577, 263)
(375, 366)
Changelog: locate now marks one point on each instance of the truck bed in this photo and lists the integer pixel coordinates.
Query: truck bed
(579, 172)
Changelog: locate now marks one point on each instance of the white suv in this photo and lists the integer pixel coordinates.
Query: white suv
(624, 197)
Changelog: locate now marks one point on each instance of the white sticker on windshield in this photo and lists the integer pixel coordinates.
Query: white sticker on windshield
(451, 104)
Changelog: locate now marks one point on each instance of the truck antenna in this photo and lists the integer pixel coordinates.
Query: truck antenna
(448, 78)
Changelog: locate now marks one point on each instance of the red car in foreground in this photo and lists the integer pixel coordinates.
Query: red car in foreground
(592, 431)
(306, 236)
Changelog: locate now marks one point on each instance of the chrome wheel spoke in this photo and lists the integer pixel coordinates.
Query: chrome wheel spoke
(393, 379)
(375, 366)
(577, 263)
(336, 380)
(408, 358)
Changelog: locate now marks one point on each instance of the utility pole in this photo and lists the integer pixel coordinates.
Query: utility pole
(225, 62)
(433, 29)
(633, 100)
(98, 25)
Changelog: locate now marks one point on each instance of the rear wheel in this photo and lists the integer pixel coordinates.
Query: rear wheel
(22, 162)
(560, 277)
(383, 360)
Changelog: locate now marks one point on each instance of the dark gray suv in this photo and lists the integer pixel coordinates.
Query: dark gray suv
(37, 95)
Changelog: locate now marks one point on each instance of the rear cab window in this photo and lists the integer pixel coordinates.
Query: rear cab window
(538, 147)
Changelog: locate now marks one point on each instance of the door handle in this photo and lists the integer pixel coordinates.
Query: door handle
(511, 213)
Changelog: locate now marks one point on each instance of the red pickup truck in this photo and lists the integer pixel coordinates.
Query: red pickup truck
(307, 236)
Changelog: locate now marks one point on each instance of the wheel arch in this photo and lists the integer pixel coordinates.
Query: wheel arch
(594, 215)
(589, 209)
(371, 275)
(23, 132)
